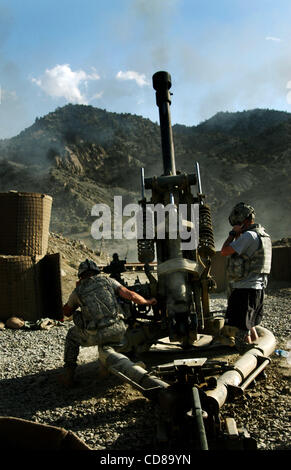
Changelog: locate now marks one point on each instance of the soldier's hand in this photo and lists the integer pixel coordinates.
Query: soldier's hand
(152, 301)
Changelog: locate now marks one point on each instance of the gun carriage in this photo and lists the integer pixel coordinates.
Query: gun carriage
(189, 391)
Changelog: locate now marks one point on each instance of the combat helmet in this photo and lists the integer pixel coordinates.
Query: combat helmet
(240, 212)
(88, 265)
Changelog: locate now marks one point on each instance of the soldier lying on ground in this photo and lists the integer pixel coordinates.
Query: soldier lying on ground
(100, 321)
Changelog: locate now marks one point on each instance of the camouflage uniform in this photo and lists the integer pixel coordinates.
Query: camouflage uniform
(247, 273)
(100, 321)
(241, 266)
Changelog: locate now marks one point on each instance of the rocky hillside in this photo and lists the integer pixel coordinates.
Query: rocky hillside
(83, 155)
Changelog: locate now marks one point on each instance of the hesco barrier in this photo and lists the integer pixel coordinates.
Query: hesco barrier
(18, 288)
(25, 220)
(30, 287)
(280, 270)
(30, 280)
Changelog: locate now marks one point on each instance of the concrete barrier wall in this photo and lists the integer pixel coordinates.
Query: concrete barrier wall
(280, 270)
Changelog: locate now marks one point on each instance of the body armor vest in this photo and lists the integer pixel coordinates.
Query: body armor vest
(239, 267)
(98, 303)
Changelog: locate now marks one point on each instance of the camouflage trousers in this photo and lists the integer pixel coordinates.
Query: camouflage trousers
(78, 336)
(124, 340)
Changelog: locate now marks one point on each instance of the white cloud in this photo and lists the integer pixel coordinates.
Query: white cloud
(139, 78)
(94, 75)
(97, 96)
(62, 82)
(272, 38)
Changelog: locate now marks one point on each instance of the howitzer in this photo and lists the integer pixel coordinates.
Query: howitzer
(190, 391)
(183, 268)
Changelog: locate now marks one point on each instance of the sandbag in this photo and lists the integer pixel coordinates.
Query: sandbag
(21, 434)
(15, 323)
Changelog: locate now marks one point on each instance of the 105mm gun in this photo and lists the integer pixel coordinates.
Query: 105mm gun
(183, 273)
(189, 391)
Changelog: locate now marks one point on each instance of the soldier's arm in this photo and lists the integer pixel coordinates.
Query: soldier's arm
(134, 297)
(68, 311)
(226, 249)
(72, 305)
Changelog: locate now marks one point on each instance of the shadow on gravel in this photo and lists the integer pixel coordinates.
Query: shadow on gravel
(96, 404)
(100, 405)
(42, 391)
(131, 429)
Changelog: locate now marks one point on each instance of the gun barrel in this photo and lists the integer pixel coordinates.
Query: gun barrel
(162, 83)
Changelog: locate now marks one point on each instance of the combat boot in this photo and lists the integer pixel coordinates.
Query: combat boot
(223, 341)
(67, 377)
(229, 331)
(226, 336)
(242, 342)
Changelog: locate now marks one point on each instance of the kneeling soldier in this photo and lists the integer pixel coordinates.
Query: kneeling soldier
(100, 321)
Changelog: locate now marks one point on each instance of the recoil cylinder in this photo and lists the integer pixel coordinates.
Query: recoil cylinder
(206, 246)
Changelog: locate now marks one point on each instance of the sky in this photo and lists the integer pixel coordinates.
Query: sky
(222, 55)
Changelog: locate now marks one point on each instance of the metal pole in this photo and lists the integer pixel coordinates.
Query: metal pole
(199, 419)
(162, 84)
(142, 183)
(198, 178)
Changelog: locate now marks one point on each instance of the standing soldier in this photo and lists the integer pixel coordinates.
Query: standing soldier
(249, 251)
(116, 267)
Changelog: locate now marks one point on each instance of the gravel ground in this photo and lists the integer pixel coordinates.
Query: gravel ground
(265, 408)
(111, 415)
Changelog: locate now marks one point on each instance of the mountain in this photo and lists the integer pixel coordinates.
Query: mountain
(246, 123)
(83, 155)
